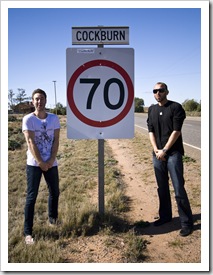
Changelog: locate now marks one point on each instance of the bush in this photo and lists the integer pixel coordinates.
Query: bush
(13, 144)
(139, 103)
(60, 110)
(12, 118)
(191, 105)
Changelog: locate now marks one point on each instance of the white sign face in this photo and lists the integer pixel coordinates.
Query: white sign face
(100, 93)
(100, 35)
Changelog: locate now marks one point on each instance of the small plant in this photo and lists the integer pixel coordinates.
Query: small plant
(12, 118)
(188, 159)
(13, 144)
(135, 248)
(176, 243)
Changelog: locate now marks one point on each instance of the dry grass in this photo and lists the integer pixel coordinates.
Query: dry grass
(83, 236)
(78, 213)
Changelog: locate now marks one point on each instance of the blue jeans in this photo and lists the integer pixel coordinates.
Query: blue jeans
(173, 166)
(33, 181)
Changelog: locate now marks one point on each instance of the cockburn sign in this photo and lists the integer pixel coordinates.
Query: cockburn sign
(100, 35)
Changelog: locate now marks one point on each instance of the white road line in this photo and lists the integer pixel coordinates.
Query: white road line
(141, 127)
(185, 124)
(192, 146)
(183, 142)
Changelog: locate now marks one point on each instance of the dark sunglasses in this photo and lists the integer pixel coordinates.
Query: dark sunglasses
(161, 90)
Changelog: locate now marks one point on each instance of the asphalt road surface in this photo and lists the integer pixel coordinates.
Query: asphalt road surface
(191, 132)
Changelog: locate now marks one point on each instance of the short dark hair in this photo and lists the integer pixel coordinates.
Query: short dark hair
(163, 84)
(39, 91)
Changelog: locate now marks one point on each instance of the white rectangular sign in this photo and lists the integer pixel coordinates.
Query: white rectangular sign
(100, 93)
(100, 35)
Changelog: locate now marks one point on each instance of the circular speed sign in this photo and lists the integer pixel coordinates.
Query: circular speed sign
(96, 82)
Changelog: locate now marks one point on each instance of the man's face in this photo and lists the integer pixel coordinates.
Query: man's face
(39, 101)
(161, 93)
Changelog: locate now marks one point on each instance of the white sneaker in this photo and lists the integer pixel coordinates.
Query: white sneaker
(29, 239)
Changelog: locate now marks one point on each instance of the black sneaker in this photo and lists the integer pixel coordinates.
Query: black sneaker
(53, 222)
(161, 221)
(185, 231)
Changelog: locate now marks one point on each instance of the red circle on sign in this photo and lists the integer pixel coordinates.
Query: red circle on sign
(70, 90)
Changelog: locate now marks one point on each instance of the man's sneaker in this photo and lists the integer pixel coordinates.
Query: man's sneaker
(185, 231)
(29, 240)
(52, 222)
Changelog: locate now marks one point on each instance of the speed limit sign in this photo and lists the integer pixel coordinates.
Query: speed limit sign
(100, 93)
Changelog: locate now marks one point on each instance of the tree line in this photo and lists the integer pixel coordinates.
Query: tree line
(189, 105)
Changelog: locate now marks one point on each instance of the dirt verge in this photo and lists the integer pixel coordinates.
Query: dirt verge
(163, 244)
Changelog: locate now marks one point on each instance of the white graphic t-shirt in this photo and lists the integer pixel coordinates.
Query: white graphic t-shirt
(44, 135)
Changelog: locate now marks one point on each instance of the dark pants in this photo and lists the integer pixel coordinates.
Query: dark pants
(33, 181)
(173, 166)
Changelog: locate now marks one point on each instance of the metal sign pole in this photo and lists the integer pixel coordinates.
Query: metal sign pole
(101, 171)
(101, 176)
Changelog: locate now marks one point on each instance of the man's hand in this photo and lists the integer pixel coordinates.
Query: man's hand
(50, 162)
(43, 165)
(160, 155)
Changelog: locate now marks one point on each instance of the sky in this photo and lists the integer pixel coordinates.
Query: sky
(166, 43)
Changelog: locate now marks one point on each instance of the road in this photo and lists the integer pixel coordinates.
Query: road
(191, 132)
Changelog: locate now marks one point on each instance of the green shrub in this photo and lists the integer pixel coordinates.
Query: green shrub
(13, 144)
(12, 118)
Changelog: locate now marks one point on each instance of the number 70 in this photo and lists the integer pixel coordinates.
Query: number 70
(96, 82)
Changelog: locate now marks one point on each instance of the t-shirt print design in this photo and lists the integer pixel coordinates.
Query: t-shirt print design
(43, 140)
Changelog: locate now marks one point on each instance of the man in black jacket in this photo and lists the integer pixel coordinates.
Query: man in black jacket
(165, 121)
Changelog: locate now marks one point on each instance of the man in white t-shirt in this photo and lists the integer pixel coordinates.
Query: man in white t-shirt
(41, 131)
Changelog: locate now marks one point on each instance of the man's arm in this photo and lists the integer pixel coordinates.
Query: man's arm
(172, 139)
(54, 148)
(29, 136)
(158, 153)
(153, 142)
